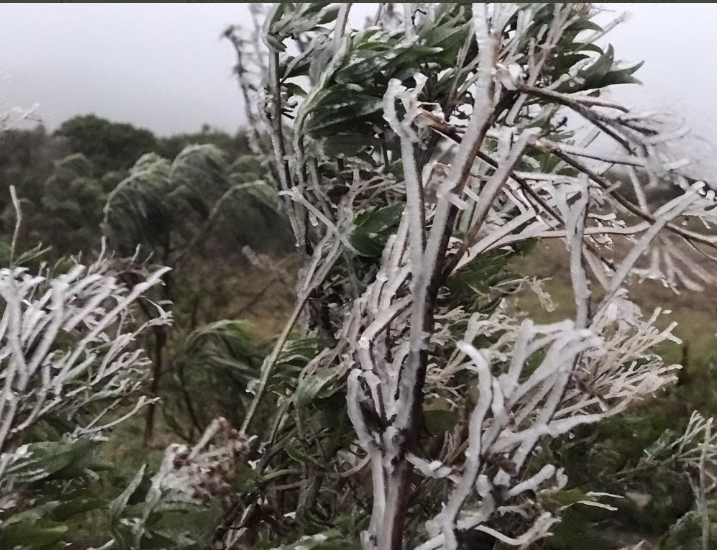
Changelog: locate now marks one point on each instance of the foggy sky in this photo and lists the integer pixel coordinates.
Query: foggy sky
(163, 66)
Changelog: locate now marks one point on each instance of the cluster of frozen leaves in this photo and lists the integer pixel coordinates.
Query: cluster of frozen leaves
(416, 156)
(71, 370)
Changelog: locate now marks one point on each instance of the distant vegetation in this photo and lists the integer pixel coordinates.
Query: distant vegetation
(64, 178)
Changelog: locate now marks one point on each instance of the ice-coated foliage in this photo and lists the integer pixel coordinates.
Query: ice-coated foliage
(67, 342)
(416, 156)
(408, 403)
(71, 370)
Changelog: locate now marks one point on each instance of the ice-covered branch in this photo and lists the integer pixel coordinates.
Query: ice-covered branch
(64, 343)
(443, 174)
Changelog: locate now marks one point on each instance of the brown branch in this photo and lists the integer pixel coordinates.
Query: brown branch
(525, 186)
(629, 206)
(426, 281)
(528, 190)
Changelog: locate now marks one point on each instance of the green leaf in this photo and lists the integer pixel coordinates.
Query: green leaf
(601, 74)
(31, 256)
(294, 89)
(155, 540)
(340, 109)
(288, 19)
(439, 417)
(479, 276)
(328, 14)
(601, 66)
(658, 450)
(621, 76)
(299, 455)
(75, 507)
(575, 531)
(32, 515)
(346, 144)
(567, 497)
(584, 25)
(372, 229)
(300, 351)
(310, 388)
(447, 37)
(364, 64)
(580, 47)
(34, 536)
(295, 67)
(328, 540)
(449, 12)
(56, 459)
(273, 25)
(118, 505)
(564, 62)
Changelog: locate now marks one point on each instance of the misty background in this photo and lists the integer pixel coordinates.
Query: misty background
(164, 66)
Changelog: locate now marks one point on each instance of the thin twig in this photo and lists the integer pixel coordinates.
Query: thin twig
(18, 223)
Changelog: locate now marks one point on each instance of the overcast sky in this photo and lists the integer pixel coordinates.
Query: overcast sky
(163, 66)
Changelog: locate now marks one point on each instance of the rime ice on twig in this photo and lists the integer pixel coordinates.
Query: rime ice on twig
(66, 342)
(476, 178)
